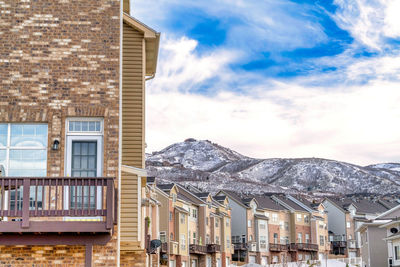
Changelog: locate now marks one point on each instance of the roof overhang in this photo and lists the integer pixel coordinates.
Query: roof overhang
(152, 39)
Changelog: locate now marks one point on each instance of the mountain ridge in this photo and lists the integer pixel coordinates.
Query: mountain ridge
(211, 167)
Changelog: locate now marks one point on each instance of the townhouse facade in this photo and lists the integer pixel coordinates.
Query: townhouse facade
(72, 132)
(347, 214)
(195, 228)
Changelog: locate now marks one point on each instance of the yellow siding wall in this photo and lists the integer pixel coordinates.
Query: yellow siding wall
(132, 132)
(133, 99)
(129, 210)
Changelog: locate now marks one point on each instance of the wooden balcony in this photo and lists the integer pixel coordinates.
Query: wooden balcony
(213, 248)
(240, 246)
(278, 247)
(57, 205)
(197, 249)
(303, 246)
(164, 247)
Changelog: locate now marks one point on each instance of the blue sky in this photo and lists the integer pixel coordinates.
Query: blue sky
(277, 78)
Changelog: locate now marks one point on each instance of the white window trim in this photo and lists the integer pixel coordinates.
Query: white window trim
(83, 136)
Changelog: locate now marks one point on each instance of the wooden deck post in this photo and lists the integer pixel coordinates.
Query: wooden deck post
(25, 203)
(88, 255)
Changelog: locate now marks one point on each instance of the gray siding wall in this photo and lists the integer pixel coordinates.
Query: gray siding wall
(378, 248)
(239, 219)
(336, 219)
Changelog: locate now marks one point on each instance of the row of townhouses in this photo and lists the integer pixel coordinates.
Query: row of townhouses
(201, 229)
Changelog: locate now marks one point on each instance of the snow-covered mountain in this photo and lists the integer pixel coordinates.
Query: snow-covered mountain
(211, 167)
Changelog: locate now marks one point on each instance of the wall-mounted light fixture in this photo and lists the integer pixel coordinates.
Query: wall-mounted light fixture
(56, 144)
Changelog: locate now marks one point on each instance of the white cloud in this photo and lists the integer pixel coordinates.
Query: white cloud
(274, 119)
(369, 21)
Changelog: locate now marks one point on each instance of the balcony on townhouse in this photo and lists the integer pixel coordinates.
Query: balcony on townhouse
(173, 248)
(197, 249)
(352, 244)
(278, 247)
(213, 248)
(164, 247)
(252, 246)
(240, 246)
(303, 246)
(57, 205)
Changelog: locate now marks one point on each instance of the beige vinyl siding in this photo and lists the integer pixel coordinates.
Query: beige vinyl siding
(132, 133)
(133, 98)
(129, 208)
(126, 6)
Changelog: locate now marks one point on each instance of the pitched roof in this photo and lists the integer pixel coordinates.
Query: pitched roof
(166, 187)
(266, 202)
(363, 205)
(290, 203)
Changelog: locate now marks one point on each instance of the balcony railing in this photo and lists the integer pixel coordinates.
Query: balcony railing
(240, 246)
(307, 246)
(340, 244)
(57, 204)
(197, 249)
(278, 247)
(352, 244)
(173, 248)
(164, 247)
(252, 246)
(213, 248)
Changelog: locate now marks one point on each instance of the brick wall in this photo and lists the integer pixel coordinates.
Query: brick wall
(60, 59)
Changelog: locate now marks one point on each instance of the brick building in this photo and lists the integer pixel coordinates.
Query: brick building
(72, 132)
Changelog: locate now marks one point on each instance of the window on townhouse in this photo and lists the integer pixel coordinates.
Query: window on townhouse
(348, 225)
(300, 257)
(286, 240)
(274, 217)
(281, 225)
(251, 238)
(307, 238)
(321, 240)
(397, 252)
(306, 219)
(235, 239)
(84, 158)
(249, 223)
(350, 237)
(206, 220)
(173, 198)
(262, 225)
(182, 217)
(307, 257)
(228, 242)
(299, 238)
(298, 217)
(266, 214)
(171, 237)
(194, 213)
(194, 238)
(23, 152)
(183, 241)
(275, 238)
(227, 222)
(286, 226)
(216, 222)
(170, 216)
(275, 259)
(163, 237)
(208, 239)
(263, 242)
(217, 240)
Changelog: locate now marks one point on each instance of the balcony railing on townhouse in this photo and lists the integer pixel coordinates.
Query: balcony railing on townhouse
(252, 246)
(305, 246)
(278, 247)
(213, 248)
(240, 246)
(57, 204)
(197, 249)
(340, 244)
(352, 244)
(164, 247)
(173, 248)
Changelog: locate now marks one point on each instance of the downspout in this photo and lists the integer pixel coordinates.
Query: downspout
(150, 77)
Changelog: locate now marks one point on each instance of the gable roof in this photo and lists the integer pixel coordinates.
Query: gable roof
(152, 39)
(265, 202)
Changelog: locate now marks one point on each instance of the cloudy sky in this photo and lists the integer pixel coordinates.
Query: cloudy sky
(277, 78)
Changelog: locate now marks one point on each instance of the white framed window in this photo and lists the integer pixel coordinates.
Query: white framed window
(23, 152)
(274, 217)
(298, 217)
(216, 222)
(163, 236)
(227, 222)
(262, 225)
(183, 241)
(84, 158)
(275, 238)
(249, 223)
(228, 242)
(348, 225)
(286, 226)
(306, 219)
(299, 238)
(307, 238)
(300, 257)
(263, 242)
(321, 240)
(397, 252)
(194, 213)
(182, 217)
